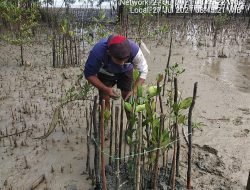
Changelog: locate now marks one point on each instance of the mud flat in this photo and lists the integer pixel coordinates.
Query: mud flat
(30, 94)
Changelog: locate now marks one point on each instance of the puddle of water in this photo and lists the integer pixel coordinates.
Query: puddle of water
(229, 61)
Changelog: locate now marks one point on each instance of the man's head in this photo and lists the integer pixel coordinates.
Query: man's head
(118, 49)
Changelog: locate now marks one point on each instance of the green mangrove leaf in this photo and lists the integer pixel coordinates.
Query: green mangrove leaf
(156, 122)
(148, 108)
(176, 109)
(128, 106)
(139, 91)
(107, 114)
(155, 134)
(140, 108)
(186, 103)
(159, 78)
(165, 138)
(136, 74)
(129, 140)
(197, 125)
(153, 105)
(182, 119)
(133, 119)
(152, 91)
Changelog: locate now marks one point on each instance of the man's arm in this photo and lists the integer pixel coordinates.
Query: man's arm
(141, 64)
(98, 84)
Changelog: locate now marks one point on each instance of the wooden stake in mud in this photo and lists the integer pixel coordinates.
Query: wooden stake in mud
(167, 67)
(155, 172)
(88, 141)
(248, 182)
(104, 185)
(121, 131)
(138, 160)
(111, 134)
(173, 169)
(178, 148)
(97, 140)
(190, 137)
(116, 147)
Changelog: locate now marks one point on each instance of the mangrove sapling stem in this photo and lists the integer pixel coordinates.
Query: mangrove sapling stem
(177, 129)
(88, 140)
(166, 75)
(173, 166)
(104, 185)
(248, 182)
(54, 50)
(125, 144)
(178, 150)
(96, 137)
(155, 172)
(116, 147)
(121, 130)
(138, 160)
(160, 100)
(63, 52)
(174, 161)
(75, 46)
(111, 133)
(71, 51)
(190, 137)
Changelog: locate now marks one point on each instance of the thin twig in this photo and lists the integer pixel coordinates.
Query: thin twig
(37, 182)
(190, 137)
(8, 135)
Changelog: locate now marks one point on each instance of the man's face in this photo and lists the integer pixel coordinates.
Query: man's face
(119, 61)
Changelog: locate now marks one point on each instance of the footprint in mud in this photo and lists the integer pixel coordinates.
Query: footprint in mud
(236, 165)
(208, 161)
(245, 111)
(242, 133)
(209, 171)
(238, 121)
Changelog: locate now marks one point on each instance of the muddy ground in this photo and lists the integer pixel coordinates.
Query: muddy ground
(29, 94)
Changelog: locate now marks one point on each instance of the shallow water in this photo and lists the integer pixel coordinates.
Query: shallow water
(228, 61)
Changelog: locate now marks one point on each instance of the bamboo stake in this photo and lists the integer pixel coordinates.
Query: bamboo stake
(53, 50)
(173, 170)
(177, 130)
(63, 51)
(167, 67)
(76, 61)
(190, 137)
(248, 182)
(138, 161)
(111, 134)
(116, 147)
(71, 51)
(121, 131)
(104, 185)
(96, 137)
(155, 172)
(88, 141)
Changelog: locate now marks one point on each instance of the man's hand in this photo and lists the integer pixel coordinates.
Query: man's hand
(131, 93)
(138, 82)
(111, 92)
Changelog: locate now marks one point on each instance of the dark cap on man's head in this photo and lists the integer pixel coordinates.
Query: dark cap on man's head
(119, 47)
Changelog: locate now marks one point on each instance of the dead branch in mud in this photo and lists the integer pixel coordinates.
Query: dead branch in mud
(16, 133)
